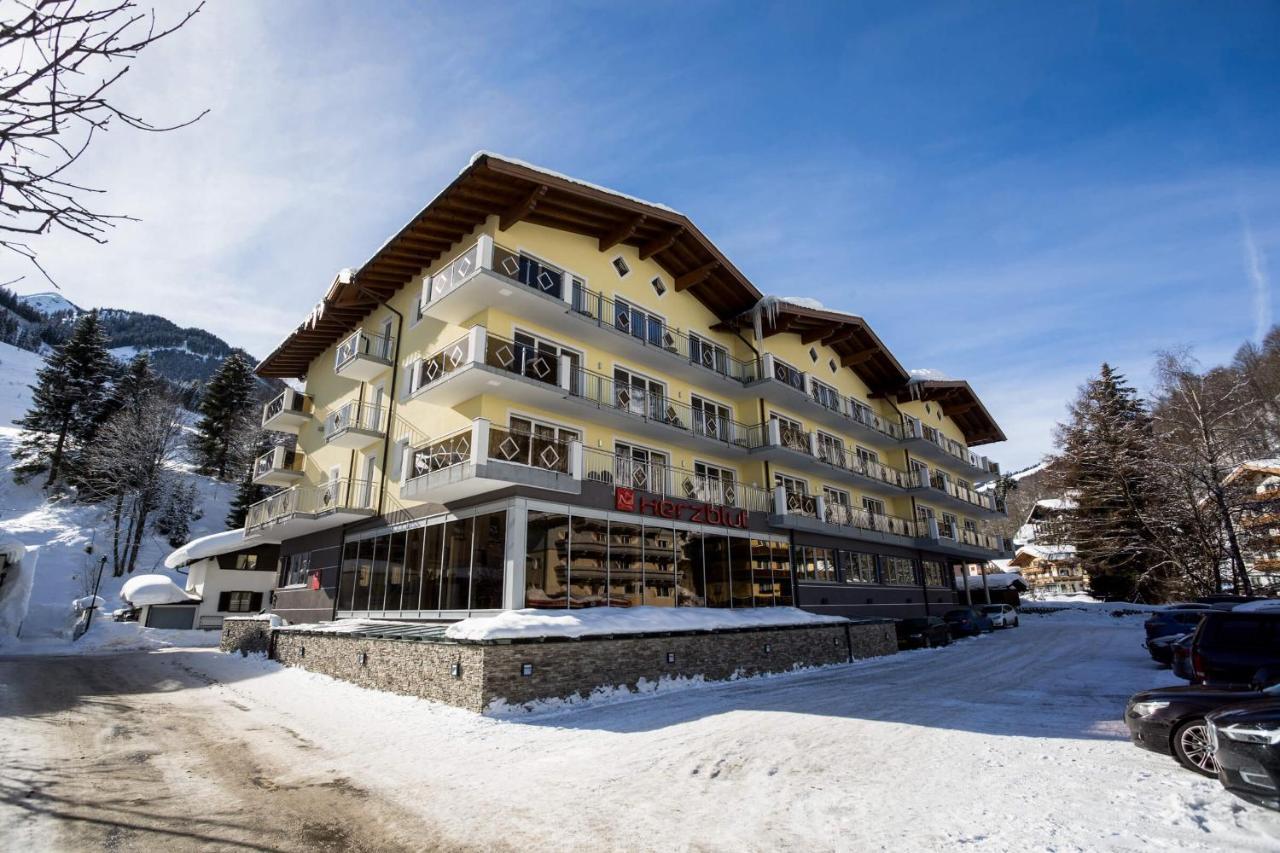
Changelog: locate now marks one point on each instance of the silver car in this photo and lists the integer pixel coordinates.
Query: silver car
(1001, 615)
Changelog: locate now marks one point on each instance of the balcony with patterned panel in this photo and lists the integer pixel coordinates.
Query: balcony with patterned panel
(355, 425)
(803, 450)
(941, 491)
(279, 466)
(481, 362)
(483, 458)
(364, 357)
(926, 442)
(301, 509)
(289, 411)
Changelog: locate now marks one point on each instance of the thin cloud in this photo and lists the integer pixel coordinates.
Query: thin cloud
(1255, 267)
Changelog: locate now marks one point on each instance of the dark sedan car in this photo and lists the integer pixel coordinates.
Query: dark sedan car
(923, 632)
(1161, 648)
(1176, 619)
(1171, 720)
(1246, 743)
(1181, 662)
(967, 622)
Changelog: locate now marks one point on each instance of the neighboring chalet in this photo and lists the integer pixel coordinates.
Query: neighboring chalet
(226, 575)
(1049, 566)
(1257, 483)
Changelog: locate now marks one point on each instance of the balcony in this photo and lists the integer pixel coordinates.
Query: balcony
(804, 450)
(926, 442)
(303, 509)
(941, 491)
(364, 357)
(964, 542)
(816, 514)
(355, 425)
(289, 411)
(279, 466)
(484, 457)
(669, 481)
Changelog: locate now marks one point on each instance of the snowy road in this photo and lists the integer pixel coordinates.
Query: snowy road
(1009, 742)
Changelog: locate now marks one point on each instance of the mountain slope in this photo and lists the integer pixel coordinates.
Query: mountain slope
(49, 303)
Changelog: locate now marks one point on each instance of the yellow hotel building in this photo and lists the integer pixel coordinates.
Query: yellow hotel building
(542, 393)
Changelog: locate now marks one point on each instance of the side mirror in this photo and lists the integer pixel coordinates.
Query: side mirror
(1266, 676)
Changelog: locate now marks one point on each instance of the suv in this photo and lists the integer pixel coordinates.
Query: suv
(922, 632)
(1229, 648)
(1176, 619)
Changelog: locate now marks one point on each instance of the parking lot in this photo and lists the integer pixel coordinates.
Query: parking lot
(1011, 741)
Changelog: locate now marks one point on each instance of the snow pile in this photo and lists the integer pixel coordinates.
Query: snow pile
(804, 302)
(206, 546)
(533, 624)
(142, 590)
(15, 594)
(88, 602)
(108, 637)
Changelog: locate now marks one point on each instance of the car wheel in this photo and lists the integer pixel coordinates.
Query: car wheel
(1191, 748)
(1015, 623)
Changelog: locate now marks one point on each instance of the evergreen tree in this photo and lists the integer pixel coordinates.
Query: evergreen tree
(67, 402)
(177, 510)
(1104, 464)
(225, 416)
(247, 494)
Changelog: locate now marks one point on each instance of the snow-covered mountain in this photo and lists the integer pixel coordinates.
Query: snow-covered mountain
(49, 303)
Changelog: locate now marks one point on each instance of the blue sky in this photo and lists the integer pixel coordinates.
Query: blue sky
(1008, 194)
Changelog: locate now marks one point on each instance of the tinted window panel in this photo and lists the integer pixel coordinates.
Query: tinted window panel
(433, 546)
(588, 561)
(457, 563)
(546, 564)
(626, 576)
(487, 564)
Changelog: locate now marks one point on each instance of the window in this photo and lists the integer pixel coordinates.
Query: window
(639, 395)
(712, 484)
(831, 363)
(856, 567)
(711, 419)
(621, 266)
(919, 473)
(784, 372)
(873, 506)
(815, 564)
(934, 573)
(240, 602)
(296, 569)
(246, 562)
(791, 484)
(791, 433)
(530, 442)
(641, 468)
(899, 571)
(642, 324)
(949, 526)
(839, 507)
(813, 355)
(868, 458)
(540, 276)
(657, 285)
(824, 395)
(538, 358)
(546, 562)
(831, 449)
(709, 355)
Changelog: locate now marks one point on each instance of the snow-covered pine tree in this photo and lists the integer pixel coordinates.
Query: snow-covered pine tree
(1104, 464)
(248, 492)
(225, 415)
(66, 403)
(178, 509)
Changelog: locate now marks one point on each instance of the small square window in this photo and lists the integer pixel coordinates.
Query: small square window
(621, 266)
(658, 287)
(813, 354)
(831, 362)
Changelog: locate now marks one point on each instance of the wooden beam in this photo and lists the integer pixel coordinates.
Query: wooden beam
(952, 411)
(660, 244)
(817, 333)
(856, 358)
(696, 276)
(519, 211)
(623, 232)
(839, 336)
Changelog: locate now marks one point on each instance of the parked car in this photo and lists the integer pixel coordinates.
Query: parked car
(1176, 619)
(967, 622)
(923, 632)
(1001, 615)
(1161, 648)
(1228, 648)
(1245, 740)
(1229, 601)
(1171, 720)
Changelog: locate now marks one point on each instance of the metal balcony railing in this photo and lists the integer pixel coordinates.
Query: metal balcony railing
(355, 415)
(502, 445)
(330, 496)
(669, 481)
(288, 460)
(287, 400)
(846, 516)
(361, 343)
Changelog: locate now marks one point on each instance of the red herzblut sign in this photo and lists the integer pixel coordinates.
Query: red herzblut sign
(626, 500)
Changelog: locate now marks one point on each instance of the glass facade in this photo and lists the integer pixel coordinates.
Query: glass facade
(899, 571)
(451, 564)
(815, 564)
(857, 567)
(578, 560)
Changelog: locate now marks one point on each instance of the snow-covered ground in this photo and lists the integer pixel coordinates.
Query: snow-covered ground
(1009, 742)
(71, 537)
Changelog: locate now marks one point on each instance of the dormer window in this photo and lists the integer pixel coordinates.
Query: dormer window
(813, 355)
(658, 287)
(621, 266)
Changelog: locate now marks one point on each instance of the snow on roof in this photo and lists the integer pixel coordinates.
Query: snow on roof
(995, 580)
(11, 550)
(806, 302)
(928, 374)
(529, 623)
(1253, 466)
(153, 589)
(554, 174)
(1056, 503)
(212, 545)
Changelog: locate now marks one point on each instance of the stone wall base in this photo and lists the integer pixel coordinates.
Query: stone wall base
(489, 676)
(247, 636)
